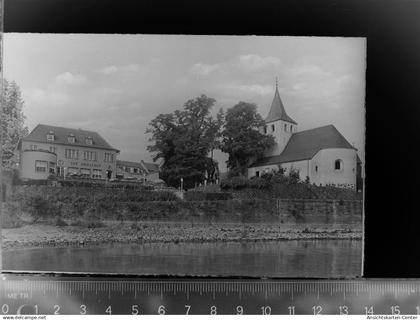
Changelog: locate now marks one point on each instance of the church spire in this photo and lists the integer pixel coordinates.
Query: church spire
(277, 110)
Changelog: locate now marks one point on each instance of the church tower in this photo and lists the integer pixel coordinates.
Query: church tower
(279, 124)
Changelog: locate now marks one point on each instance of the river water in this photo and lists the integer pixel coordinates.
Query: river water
(292, 258)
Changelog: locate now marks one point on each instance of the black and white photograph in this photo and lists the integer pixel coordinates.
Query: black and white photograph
(183, 155)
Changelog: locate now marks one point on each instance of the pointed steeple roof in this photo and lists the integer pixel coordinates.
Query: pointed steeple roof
(277, 111)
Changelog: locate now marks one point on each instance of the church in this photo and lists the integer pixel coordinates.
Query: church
(321, 154)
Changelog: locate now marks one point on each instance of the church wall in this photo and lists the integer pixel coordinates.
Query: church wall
(324, 161)
(303, 167)
(252, 172)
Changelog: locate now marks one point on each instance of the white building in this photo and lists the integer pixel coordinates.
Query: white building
(51, 150)
(322, 154)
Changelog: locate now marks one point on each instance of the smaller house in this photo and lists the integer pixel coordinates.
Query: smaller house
(141, 171)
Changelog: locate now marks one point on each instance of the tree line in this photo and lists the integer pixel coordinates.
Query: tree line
(185, 139)
(12, 127)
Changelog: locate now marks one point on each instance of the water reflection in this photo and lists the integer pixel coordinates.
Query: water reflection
(297, 258)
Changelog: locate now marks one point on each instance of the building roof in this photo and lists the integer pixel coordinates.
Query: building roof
(147, 166)
(39, 134)
(277, 111)
(305, 144)
(129, 164)
(153, 167)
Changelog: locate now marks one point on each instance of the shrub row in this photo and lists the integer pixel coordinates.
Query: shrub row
(206, 211)
(81, 194)
(206, 196)
(278, 185)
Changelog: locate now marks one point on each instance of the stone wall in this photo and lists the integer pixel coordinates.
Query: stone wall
(320, 211)
(134, 205)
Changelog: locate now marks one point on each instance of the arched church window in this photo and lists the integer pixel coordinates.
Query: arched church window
(338, 164)
(316, 168)
(265, 129)
(285, 127)
(272, 128)
(290, 128)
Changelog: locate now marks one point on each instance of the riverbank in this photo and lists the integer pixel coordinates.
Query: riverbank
(43, 235)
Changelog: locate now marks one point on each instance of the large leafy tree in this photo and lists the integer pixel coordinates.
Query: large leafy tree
(242, 138)
(184, 139)
(12, 119)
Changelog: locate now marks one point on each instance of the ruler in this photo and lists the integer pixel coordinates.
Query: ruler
(42, 294)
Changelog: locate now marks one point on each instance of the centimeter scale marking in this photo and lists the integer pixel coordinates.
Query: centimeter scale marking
(42, 294)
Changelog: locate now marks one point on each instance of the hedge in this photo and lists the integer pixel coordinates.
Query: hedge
(209, 196)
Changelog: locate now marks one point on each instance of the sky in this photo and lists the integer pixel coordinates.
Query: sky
(116, 84)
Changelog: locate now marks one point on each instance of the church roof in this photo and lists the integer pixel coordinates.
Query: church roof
(39, 134)
(305, 144)
(277, 111)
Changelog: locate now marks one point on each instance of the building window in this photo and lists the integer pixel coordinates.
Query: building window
(109, 157)
(97, 174)
(316, 168)
(41, 166)
(33, 147)
(136, 170)
(338, 165)
(50, 136)
(52, 167)
(53, 149)
(285, 127)
(265, 129)
(89, 140)
(257, 173)
(273, 128)
(90, 155)
(72, 154)
(73, 170)
(290, 128)
(85, 173)
(71, 138)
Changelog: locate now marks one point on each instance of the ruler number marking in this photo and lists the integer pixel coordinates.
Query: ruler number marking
(135, 309)
(317, 310)
(266, 310)
(291, 310)
(188, 307)
(161, 310)
(109, 310)
(344, 310)
(395, 310)
(213, 310)
(369, 310)
(82, 309)
(56, 309)
(239, 310)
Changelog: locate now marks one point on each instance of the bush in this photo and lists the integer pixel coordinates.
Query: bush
(39, 207)
(92, 219)
(206, 196)
(76, 223)
(36, 182)
(60, 222)
(9, 216)
(259, 183)
(236, 183)
(278, 185)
